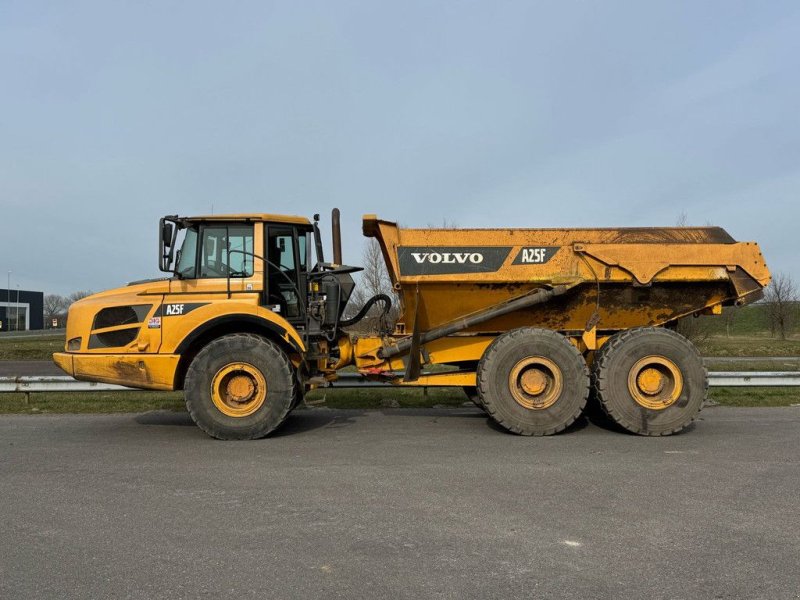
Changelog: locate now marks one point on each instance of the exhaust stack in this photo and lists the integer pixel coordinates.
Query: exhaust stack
(336, 237)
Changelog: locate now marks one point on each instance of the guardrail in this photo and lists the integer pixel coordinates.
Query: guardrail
(30, 333)
(754, 378)
(27, 385)
(56, 383)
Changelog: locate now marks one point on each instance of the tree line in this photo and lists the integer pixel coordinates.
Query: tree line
(55, 306)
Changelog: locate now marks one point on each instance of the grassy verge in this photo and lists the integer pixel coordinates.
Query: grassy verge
(35, 348)
(137, 402)
(756, 345)
(754, 365)
(113, 402)
(94, 402)
(755, 396)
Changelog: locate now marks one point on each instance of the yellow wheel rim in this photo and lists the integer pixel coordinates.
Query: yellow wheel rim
(536, 382)
(655, 382)
(238, 390)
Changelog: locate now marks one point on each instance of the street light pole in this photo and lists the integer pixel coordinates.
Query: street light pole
(8, 301)
(16, 311)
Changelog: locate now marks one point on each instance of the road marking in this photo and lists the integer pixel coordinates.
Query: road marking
(572, 543)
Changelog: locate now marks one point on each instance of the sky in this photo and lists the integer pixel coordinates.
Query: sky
(481, 114)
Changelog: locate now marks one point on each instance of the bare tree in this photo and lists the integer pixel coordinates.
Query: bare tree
(445, 224)
(683, 221)
(373, 281)
(781, 299)
(53, 307)
(79, 295)
(695, 329)
(729, 316)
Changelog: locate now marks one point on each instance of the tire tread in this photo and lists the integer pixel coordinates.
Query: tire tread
(228, 342)
(600, 382)
(483, 383)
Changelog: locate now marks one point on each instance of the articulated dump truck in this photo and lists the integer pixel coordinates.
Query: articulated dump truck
(531, 323)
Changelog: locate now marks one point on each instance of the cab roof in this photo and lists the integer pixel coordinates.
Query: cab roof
(294, 220)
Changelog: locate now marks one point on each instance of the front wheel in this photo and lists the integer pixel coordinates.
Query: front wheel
(240, 387)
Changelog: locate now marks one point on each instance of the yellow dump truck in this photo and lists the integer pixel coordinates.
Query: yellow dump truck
(530, 322)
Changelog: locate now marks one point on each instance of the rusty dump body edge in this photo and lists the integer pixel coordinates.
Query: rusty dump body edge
(629, 277)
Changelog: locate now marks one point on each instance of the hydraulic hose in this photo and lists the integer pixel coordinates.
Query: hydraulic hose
(387, 306)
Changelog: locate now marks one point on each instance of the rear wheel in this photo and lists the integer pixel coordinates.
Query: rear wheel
(651, 381)
(533, 381)
(240, 386)
(472, 393)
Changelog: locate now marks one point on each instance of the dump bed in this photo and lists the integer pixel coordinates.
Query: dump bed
(618, 278)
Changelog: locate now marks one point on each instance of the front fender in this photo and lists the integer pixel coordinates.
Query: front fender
(179, 331)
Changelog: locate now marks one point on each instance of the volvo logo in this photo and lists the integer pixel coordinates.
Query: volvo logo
(451, 260)
(448, 258)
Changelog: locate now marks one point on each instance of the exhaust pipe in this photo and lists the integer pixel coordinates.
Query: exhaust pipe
(336, 237)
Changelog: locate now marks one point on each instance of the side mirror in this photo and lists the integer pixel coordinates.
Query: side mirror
(167, 230)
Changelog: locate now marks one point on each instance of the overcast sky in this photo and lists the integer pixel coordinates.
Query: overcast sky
(508, 114)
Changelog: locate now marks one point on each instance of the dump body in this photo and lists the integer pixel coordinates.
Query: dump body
(616, 278)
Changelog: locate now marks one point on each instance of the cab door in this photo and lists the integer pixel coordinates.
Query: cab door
(218, 268)
(286, 267)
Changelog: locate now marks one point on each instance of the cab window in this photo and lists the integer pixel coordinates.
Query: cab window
(226, 251)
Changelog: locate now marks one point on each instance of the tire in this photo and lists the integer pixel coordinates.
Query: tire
(472, 393)
(240, 387)
(299, 395)
(533, 381)
(660, 406)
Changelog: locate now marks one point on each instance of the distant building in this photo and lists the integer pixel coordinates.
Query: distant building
(21, 310)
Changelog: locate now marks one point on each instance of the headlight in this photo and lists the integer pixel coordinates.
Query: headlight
(74, 345)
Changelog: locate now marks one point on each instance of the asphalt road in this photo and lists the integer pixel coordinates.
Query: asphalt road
(28, 368)
(398, 504)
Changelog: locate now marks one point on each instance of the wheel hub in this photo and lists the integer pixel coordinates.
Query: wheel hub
(655, 382)
(650, 381)
(536, 382)
(238, 389)
(533, 381)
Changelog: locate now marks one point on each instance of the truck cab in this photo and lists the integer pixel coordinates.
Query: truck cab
(259, 274)
(241, 254)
